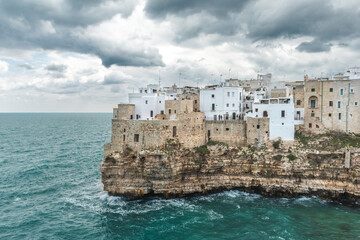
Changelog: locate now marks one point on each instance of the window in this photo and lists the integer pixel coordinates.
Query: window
(146, 101)
(136, 137)
(233, 104)
(227, 105)
(351, 90)
(213, 106)
(282, 124)
(256, 110)
(310, 125)
(124, 137)
(162, 112)
(356, 103)
(313, 89)
(329, 114)
(140, 91)
(159, 101)
(145, 91)
(124, 130)
(233, 94)
(213, 95)
(169, 110)
(174, 131)
(312, 114)
(258, 126)
(175, 111)
(131, 117)
(339, 104)
(282, 113)
(317, 126)
(195, 101)
(339, 116)
(341, 91)
(228, 94)
(298, 102)
(151, 113)
(330, 103)
(331, 89)
(350, 115)
(227, 129)
(313, 103)
(265, 114)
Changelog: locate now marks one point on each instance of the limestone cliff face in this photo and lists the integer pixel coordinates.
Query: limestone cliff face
(276, 173)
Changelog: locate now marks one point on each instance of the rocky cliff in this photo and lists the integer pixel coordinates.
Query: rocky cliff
(288, 171)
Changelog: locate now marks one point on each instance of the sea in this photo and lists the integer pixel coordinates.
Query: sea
(50, 188)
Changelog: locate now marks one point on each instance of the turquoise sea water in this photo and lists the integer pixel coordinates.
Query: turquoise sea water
(50, 189)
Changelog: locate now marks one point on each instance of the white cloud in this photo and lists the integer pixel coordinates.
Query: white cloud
(4, 67)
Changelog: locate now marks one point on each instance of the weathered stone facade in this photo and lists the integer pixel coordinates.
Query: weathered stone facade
(332, 105)
(124, 111)
(257, 130)
(188, 129)
(232, 132)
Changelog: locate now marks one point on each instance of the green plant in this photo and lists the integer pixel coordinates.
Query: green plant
(212, 143)
(277, 157)
(276, 144)
(129, 149)
(291, 157)
(202, 150)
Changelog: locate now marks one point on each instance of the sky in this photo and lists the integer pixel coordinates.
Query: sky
(86, 56)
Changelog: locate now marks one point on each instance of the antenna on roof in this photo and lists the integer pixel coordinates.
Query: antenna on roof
(159, 79)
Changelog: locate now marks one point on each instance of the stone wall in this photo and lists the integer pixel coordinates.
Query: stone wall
(178, 106)
(187, 129)
(228, 131)
(124, 111)
(257, 130)
(276, 93)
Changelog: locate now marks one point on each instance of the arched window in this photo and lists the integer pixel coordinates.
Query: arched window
(313, 102)
(265, 114)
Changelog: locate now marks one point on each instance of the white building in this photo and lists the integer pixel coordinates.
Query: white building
(281, 114)
(150, 101)
(251, 97)
(222, 102)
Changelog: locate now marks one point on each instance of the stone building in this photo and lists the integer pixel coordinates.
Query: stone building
(257, 130)
(332, 104)
(232, 132)
(184, 127)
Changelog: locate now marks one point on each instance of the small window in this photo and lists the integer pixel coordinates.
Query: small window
(124, 138)
(140, 91)
(145, 91)
(162, 112)
(356, 103)
(282, 124)
(124, 130)
(213, 95)
(131, 117)
(195, 101)
(329, 114)
(175, 111)
(330, 103)
(159, 101)
(331, 89)
(233, 94)
(317, 126)
(310, 125)
(350, 115)
(282, 113)
(227, 105)
(233, 104)
(136, 137)
(339, 104)
(313, 89)
(258, 126)
(213, 106)
(227, 129)
(339, 116)
(169, 110)
(341, 91)
(256, 110)
(146, 101)
(151, 113)
(298, 102)
(228, 94)
(312, 114)
(351, 90)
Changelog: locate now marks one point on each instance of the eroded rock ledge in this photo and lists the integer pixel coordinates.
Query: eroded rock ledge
(270, 172)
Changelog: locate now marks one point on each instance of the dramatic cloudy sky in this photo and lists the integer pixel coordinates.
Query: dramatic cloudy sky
(85, 56)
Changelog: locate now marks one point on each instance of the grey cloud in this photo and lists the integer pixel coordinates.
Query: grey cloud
(56, 68)
(314, 46)
(159, 9)
(40, 24)
(111, 79)
(26, 66)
